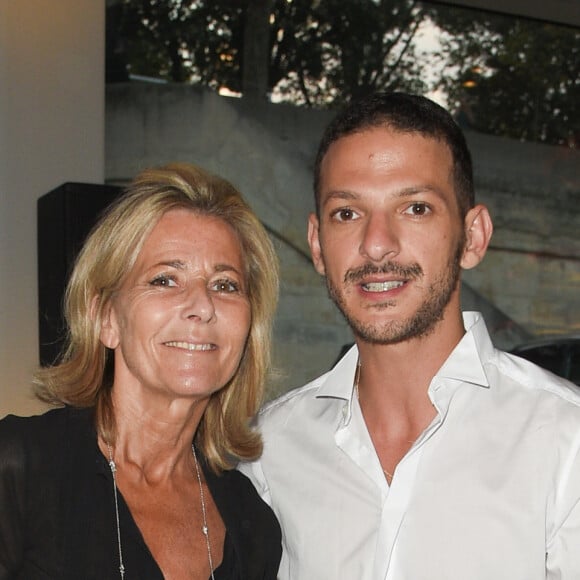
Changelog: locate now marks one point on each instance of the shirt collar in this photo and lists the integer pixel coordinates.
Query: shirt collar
(338, 383)
(464, 364)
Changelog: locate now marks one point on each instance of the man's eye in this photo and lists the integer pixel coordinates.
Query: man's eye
(163, 280)
(418, 209)
(227, 286)
(344, 214)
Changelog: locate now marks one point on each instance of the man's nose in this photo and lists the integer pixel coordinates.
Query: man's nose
(380, 238)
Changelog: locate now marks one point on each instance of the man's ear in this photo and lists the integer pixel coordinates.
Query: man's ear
(108, 333)
(314, 243)
(478, 232)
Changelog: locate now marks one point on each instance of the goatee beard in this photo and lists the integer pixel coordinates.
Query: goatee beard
(419, 324)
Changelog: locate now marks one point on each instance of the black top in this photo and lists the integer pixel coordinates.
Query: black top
(57, 512)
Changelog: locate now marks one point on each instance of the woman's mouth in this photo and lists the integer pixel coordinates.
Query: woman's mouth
(190, 345)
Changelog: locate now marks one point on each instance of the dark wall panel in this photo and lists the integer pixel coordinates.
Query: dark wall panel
(65, 216)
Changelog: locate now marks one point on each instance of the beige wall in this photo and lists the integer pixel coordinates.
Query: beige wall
(51, 131)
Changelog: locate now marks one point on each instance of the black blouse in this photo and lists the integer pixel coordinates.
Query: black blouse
(57, 513)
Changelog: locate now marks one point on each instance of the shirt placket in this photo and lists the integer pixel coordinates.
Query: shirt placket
(354, 439)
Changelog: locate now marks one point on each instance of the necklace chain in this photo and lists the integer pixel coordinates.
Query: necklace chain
(356, 381)
(113, 468)
(204, 529)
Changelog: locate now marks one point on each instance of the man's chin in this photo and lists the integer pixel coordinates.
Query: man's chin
(393, 331)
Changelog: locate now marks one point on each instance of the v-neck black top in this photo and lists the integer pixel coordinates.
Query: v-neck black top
(57, 512)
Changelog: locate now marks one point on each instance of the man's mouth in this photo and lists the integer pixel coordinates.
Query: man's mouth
(190, 345)
(382, 286)
(392, 270)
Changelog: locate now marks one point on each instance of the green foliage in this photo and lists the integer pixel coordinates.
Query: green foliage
(512, 77)
(182, 41)
(501, 75)
(328, 52)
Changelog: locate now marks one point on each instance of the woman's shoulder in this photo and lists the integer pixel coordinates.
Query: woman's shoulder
(239, 502)
(250, 522)
(15, 426)
(235, 484)
(22, 435)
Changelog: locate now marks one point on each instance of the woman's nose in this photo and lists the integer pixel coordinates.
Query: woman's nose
(198, 303)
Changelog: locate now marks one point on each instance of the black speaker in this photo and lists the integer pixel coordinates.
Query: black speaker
(65, 216)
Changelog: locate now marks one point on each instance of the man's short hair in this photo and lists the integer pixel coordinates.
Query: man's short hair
(404, 113)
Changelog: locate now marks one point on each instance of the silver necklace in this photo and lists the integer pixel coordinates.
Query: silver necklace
(113, 469)
(204, 529)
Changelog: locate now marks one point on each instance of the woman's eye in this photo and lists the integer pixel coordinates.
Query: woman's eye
(344, 215)
(418, 209)
(163, 280)
(227, 286)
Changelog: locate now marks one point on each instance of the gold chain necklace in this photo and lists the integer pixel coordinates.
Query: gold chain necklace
(204, 529)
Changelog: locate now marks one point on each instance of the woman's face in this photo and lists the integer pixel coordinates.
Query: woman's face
(180, 321)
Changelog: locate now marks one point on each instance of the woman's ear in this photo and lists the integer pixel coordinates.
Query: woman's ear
(108, 325)
(478, 232)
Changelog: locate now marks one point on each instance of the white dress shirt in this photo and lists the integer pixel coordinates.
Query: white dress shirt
(489, 491)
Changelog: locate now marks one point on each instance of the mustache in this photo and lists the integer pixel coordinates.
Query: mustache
(413, 271)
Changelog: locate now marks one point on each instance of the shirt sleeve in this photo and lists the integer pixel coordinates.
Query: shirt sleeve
(12, 494)
(563, 536)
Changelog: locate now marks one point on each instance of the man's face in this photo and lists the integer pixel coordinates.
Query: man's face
(389, 238)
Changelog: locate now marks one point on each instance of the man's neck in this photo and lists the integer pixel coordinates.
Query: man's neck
(393, 386)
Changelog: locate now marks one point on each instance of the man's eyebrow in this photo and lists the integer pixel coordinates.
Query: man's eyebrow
(340, 194)
(419, 189)
(346, 195)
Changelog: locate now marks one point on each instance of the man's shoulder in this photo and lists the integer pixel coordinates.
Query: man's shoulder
(321, 403)
(523, 375)
(293, 397)
(294, 402)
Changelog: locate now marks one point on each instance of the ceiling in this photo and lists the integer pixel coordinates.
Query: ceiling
(559, 11)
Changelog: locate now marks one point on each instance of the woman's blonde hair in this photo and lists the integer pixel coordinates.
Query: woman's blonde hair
(83, 375)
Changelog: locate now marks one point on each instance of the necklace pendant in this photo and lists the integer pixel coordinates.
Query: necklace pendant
(204, 530)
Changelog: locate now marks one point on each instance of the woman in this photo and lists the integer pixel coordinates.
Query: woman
(169, 309)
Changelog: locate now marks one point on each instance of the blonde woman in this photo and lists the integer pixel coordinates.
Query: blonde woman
(169, 309)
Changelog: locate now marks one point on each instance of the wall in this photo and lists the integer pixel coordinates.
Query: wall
(532, 271)
(267, 152)
(51, 131)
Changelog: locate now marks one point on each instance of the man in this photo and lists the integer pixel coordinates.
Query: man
(425, 453)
